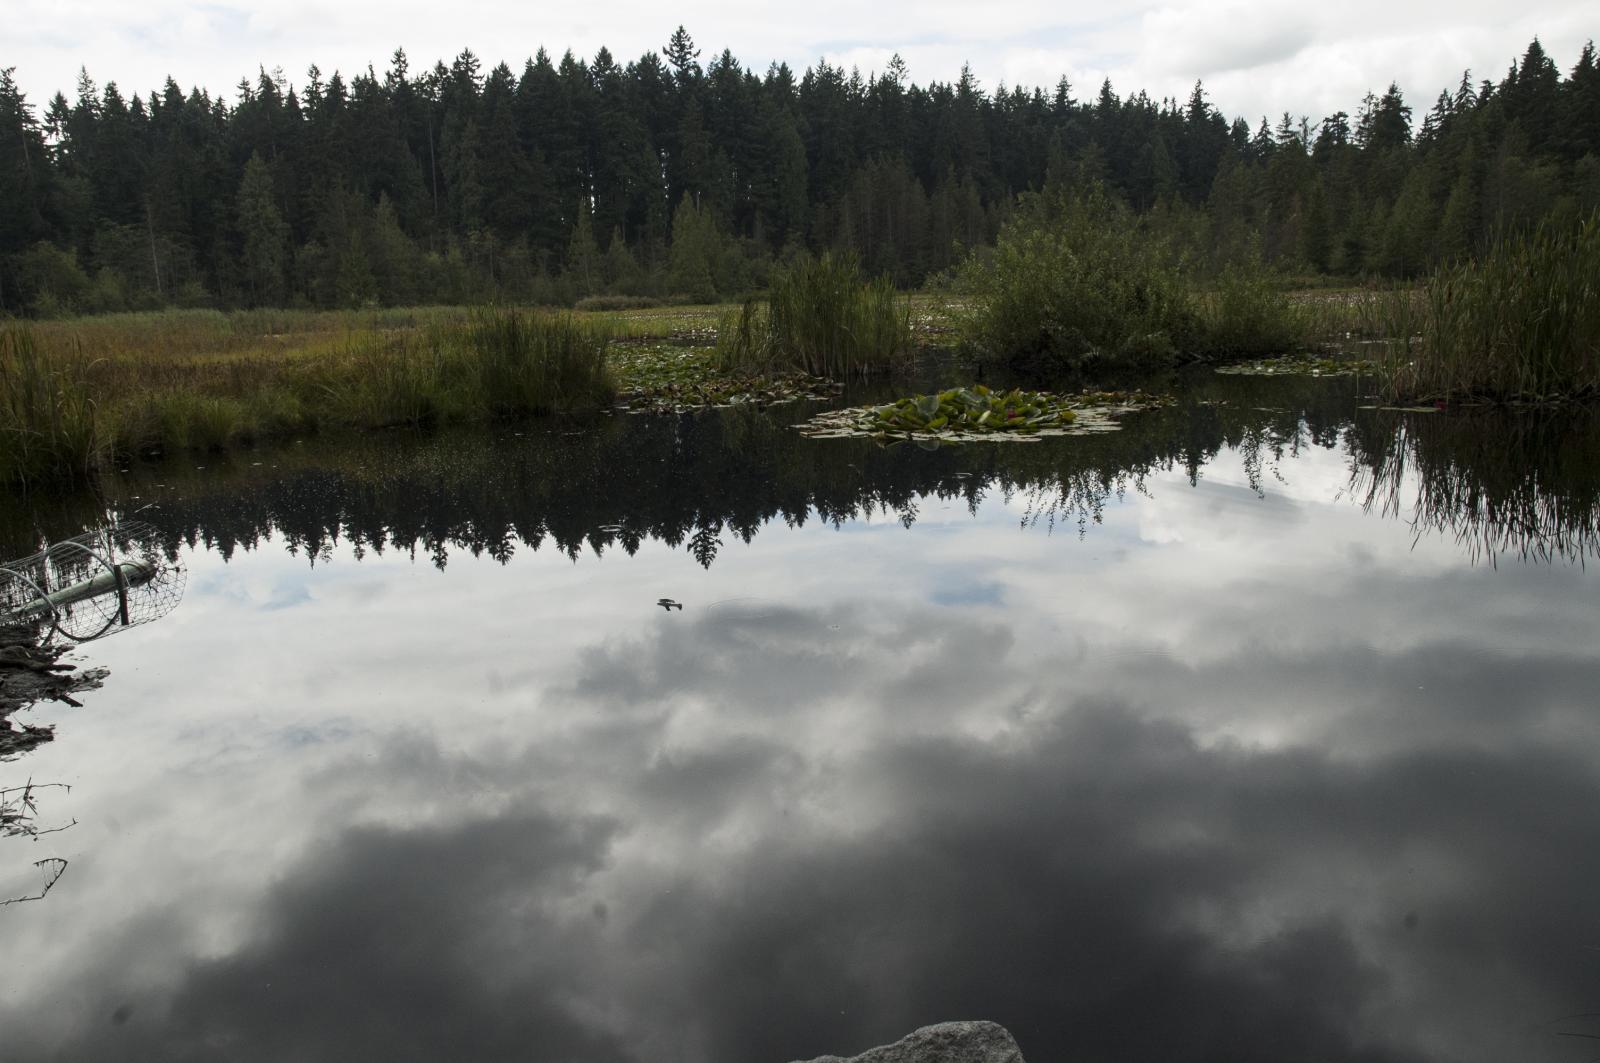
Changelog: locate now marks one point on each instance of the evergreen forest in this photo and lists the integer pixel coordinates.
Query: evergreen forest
(672, 177)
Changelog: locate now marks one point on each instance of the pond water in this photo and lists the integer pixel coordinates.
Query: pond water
(1263, 729)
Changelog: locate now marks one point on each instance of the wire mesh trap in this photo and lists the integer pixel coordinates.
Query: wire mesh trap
(92, 585)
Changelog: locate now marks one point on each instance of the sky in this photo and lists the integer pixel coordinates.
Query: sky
(1255, 58)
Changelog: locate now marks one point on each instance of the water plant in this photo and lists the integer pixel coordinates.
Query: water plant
(962, 414)
(1521, 322)
(1301, 365)
(383, 379)
(974, 409)
(670, 378)
(822, 317)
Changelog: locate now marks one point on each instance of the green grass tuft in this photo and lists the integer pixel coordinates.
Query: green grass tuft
(822, 317)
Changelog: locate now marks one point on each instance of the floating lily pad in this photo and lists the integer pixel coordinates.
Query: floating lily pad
(664, 379)
(978, 414)
(1301, 365)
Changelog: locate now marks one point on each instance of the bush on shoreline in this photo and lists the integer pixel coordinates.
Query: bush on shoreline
(1077, 281)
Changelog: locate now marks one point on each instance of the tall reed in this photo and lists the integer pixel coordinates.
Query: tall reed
(536, 362)
(1519, 323)
(822, 317)
(385, 380)
(49, 422)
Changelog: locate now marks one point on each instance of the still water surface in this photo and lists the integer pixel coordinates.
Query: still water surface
(1264, 729)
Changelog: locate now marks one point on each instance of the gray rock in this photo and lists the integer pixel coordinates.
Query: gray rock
(948, 1042)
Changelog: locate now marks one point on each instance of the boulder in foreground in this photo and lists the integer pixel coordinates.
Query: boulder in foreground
(947, 1042)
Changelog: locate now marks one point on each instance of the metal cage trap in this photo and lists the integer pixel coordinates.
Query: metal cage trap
(92, 585)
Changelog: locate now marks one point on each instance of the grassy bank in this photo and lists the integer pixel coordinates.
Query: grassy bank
(74, 396)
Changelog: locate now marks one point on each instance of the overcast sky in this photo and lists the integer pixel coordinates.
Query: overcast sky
(1256, 58)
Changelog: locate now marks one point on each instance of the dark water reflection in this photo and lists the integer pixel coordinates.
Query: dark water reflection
(1255, 756)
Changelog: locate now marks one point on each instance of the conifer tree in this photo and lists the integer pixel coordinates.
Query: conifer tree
(263, 235)
(583, 268)
(682, 56)
(619, 268)
(1455, 238)
(691, 268)
(462, 179)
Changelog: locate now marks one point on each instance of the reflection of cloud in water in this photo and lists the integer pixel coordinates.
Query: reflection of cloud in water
(1285, 786)
(766, 840)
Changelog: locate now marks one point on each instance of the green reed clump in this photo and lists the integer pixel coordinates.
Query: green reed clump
(383, 380)
(535, 361)
(1519, 323)
(744, 337)
(1077, 281)
(200, 422)
(49, 422)
(822, 317)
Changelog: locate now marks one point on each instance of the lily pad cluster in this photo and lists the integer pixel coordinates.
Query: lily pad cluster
(978, 413)
(1301, 365)
(665, 379)
(975, 409)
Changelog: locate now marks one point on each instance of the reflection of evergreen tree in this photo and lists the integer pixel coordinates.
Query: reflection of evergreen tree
(1513, 484)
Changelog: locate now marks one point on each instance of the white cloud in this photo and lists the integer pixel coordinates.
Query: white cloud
(1256, 58)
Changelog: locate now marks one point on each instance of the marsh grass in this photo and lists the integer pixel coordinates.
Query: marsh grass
(64, 413)
(385, 379)
(1520, 323)
(537, 362)
(50, 425)
(822, 317)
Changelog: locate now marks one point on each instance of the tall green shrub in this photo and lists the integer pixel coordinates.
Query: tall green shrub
(1078, 281)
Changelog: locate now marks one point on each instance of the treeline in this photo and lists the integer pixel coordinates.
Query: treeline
(668, 177)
